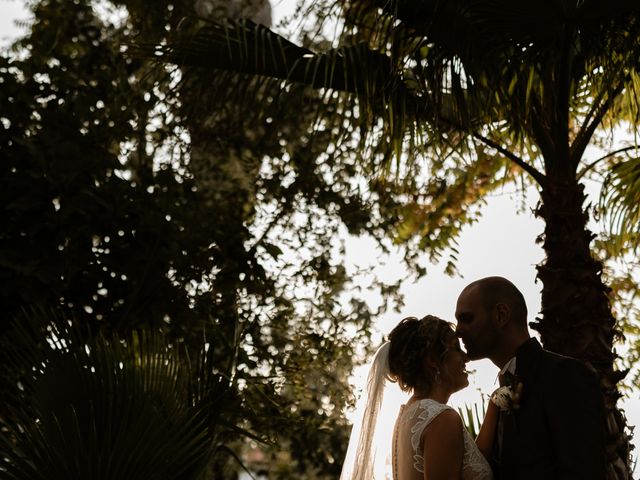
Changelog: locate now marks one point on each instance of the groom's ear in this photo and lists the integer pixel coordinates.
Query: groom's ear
(502, 314)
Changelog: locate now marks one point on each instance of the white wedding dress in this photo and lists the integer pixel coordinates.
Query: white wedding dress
(407, 449)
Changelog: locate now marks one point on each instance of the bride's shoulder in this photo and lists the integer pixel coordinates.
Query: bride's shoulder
(424, 411)
(431, 406)
(438, 417)
(447, 420)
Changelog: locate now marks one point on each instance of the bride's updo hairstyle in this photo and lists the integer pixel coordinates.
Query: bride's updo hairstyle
(412, 342)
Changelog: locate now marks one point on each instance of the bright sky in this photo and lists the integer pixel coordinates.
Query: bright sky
(502, 243)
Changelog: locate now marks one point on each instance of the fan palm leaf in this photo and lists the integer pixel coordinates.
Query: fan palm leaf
(95, 406)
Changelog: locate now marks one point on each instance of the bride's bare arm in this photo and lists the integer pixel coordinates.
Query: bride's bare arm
(443, 447)
(487, 433)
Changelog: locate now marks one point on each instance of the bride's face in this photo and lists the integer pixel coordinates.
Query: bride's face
(454, 366)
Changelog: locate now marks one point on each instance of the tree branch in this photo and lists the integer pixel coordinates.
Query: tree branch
(540, 133)
(579, 145)
(536, 174)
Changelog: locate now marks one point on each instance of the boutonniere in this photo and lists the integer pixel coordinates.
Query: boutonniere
(507, 398)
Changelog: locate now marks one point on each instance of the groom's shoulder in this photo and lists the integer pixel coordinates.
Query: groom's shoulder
(554, 358)
(566, 365)
(557, 358)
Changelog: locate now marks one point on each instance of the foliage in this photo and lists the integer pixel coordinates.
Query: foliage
(472, 417)
(620, 273)
(134, 206)
(464, 93)
(94, 405)
(494, 88)
(77, 232)
(620, 197)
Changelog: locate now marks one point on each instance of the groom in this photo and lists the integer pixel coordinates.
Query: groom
(557, 430)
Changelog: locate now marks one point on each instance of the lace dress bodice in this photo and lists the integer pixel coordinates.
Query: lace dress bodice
(408, 462)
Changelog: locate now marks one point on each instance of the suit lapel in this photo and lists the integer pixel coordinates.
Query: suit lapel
(527, 362)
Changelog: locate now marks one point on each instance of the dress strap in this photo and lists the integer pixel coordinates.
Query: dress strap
(429, 409)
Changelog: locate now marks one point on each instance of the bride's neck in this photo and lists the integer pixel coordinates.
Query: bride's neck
(437, 392)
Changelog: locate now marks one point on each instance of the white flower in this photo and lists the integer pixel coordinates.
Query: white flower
(506, 399)
(502, 398)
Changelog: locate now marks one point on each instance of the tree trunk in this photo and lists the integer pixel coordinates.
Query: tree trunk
(576, 315)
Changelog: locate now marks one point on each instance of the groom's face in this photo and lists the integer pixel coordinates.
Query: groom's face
(475, 325)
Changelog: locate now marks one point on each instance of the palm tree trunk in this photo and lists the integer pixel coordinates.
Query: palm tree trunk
(576, 313)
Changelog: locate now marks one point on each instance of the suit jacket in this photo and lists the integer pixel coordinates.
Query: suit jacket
(558, 432)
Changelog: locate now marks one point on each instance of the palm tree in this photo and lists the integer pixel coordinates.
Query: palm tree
(470, 95)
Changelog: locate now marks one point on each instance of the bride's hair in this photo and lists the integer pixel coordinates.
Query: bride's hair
(412, 341)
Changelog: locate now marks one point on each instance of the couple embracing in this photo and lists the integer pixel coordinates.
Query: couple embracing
(545, 422)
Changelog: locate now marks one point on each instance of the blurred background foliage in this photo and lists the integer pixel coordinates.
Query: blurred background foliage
(132, 207)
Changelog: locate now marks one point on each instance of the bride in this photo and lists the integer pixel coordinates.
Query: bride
(428, 439)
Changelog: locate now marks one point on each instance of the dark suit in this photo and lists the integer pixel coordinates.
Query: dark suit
(558, 432)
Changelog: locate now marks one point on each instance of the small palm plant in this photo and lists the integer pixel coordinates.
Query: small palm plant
(96, 406)
(472, 416)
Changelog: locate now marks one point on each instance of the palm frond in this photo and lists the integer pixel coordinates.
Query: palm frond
(93, 405)
(242, 46)
(366, 68)
(619, 201)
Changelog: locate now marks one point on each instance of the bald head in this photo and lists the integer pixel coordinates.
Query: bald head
(495, 290)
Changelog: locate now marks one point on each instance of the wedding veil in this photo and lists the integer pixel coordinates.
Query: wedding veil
(369, 454)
